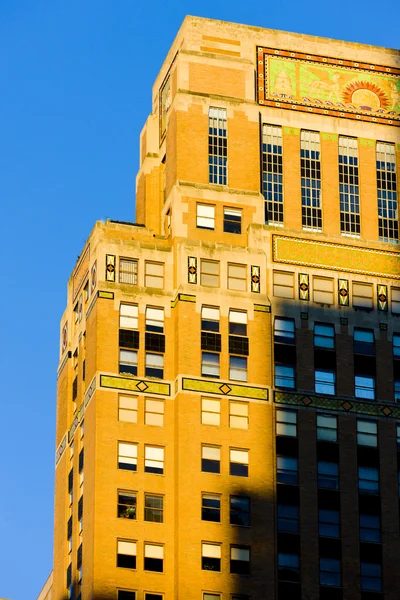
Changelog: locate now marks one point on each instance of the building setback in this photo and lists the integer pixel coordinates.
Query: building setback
(227, 425)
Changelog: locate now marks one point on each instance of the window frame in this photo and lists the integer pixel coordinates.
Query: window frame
(124, 261)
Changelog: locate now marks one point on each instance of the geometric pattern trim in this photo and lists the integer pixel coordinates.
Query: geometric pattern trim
(135, 385)
(81, 270)
(105, 295)
(382, 297)
(343, 292)
(110, 267)
(93, 277)
(60, 449)
(64, 338)
(262, 308)
(192, 269)
(255, 279)
(336, 257)
(374, 409)
(183, 298)
(304, 287)
(328, 86)
(224, 389)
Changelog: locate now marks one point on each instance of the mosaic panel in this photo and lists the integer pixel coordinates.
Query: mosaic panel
(336, 257)
(304, 286)
(225, 389)
(328, 86)
(110, 267)
(343, 292)
(106, 295)
(93, 277)
(135, 385)
(382, 297)
(255, 279)
(64, 337)
(262, 308)
(81, 271)
(192, 269)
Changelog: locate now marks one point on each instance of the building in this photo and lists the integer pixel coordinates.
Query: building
(227, 425)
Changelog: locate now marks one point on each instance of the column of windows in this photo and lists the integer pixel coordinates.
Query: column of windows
(387, 192)
(349, 186)
(311, 180)
(272, 173)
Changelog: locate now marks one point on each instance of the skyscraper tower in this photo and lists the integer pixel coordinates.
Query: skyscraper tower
(227, 417)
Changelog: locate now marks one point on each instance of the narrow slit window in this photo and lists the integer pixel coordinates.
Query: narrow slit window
(217, 146)
(349, 187)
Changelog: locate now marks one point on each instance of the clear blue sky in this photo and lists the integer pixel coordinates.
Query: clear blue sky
(76, 80)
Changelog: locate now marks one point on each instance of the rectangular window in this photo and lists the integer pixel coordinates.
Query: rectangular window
(154, 412)
(283, 284)
(232, 220)
(349, 187)
(209, 273)
(368, 480)
(238, 415)
(286, 422)
(398, 436)
(239, 513)
(323, 290)
(237, 322)
(153, 558)
(284, 330)
(311, 180)
(367, 433)
(329, 572)
(364, 341)
(126, 595)
(127, 505)
(364, 387)
(154, 365)
(217, 146)
(363, 295)
(154, 319)
(370, 528)
(128, 409)
(237, 277)
(128, 361)
(210, 411)
(239, 462)
(288, 567)
(396, 345)
(211, 596)
(210, 557)
(211, 508)
(387, 192)
(285, 377)
(286, 470)
(328, 523)
(288, 518)
(153, 508)
(211, 459)
(205, 218)
(154, 597)
(210, 364)
(128, 271)
(210, 319)
(325, 382)
(328, 475)
(154, 460)
(272, 174)
(324, 336)
(126, 554)
(395, 300)
(154, 275)
(371, 577)
(240, 560)
(127, 456)
(238, 368)
(397, 391)
(128, 316)
(327, 428)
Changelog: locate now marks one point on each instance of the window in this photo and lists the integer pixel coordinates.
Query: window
(237, 277)
(328, 523)
(349, 187)
(237, 322)
(153, 558)
(210, 557)
(217, 146)
(128, 271)
(286, 469)
(238, 415)
(288, 518)
(211, 508)
(211, 596)
(329, 572)
(128, 409)
(397, 391)
(323, 290)
(367, 433)
(395, 300)
(327, 428)
(283, 284)
(239, 462)
(370, 528)
(368, 480)
(272, 173)
(371, 577)
(154, 412)
(127, 456)
(325, 382)
(286, 422)
(154, 319)
(328, 475)
(125, 595)
(210, 365)
(127, 505)
(128, 361)
(154, 275)
(232, 220)
(128, 316)
(285, 376)
(205, 216)
(387, 192)
(284, 330)
(364, 341)
(396, 345)
(210, 411)
(310, 163)
(210, 459)
(238, 368)
(210, 319)
(239, 511)
(240, 560)
(324, 336)
(154, 597)
(154, 365)
(362, 295)
(153, 508)
(126, 554)
(364, 387)
(288, 567)
(398, 436)
(154, 460)
(209, 273)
